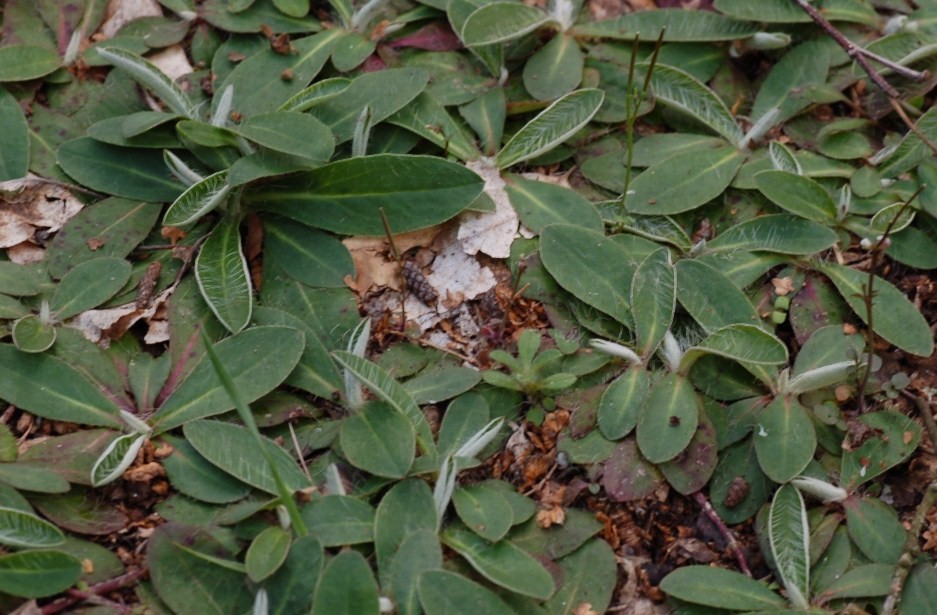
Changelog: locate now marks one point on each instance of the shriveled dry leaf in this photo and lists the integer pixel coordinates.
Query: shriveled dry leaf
(489, 232)
(783, 286)
(111, 323)
(121, 12)
(458, 277)
(30, 204)
(375, 266)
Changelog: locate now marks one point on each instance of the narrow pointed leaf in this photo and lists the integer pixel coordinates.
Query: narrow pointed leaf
(35, 574)
(780, 233)
(24, 530)
(680, 26)
(679, 89)
(719, 588)
(711, 298)
(14, 137)
(198, 200)
(116, 458)
(895, 318)
(426, 117)
(500, 22)
(146, 73)
(552, 126)
(223, 278)
(653, 299)
(789, 537)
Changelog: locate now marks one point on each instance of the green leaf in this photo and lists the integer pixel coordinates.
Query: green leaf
(266, 553)
(668, 420)
(116, 458)
(121, 171)
(486, 115)
(419, 552)
(390, 391)
(894, 438)
(25, 62)
(25, 530)
(380, 440)
(680, 26)
(443, 592)
(555, 69)
(88, 285)
(465, 416)
(194, 476)
(112, 227)
(789, 537)
(306, 254)
(484, 510)
(385, 92)
(567, 251)
(783, 158)
(80, 512)
(318, 92)
(258, 359)
(33, 334)
(198, 199)
(407, 508)
(691, 470)
(540, 204)
(711, 298)
(147, 74)
(911, 150)
(874, 527)
(436, 385)
(719, 588)
(499, 22)
(894, 317)
(684, 181)
(550, 127)
(426, 117)
(867, 580)
(780, 233)
(653, 300)
(14, 136)
(414, 191)
(223, 278)
(683, 91)
(183, 579)
(346, 587)
(785, 439)
(893, 218)
(790, 81)
(340, 520)
(291, 588)
(918, 590)
(351, 50)
(742, 343)
(232, 448)
(51, 388)
(589, 577)
(502, 563)
(797, 194)
(768, 11)
(622, 402)
(737, 469)
(297, 134)
(267, 80)
(36, 574)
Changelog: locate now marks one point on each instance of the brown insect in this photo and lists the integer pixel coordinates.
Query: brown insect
(418, 284)
(737, 492)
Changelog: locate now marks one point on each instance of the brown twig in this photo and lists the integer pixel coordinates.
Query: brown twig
(713, 516)
(861, 55)
(399, 259)
(911, 125)
(99, 589)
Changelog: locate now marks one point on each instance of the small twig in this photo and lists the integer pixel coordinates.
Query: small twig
(927, 416)
(99, 589)
(713, 516)
(860, 55)
(399, 259)
(911, 549)
(299, 452)
(911, 125)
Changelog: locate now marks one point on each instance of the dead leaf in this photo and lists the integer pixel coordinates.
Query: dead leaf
(585, 609)
(145, 473)
(26, 253)
(783, 286)
(458, 277)
(121, 12)
(550, 517)
(489, 232)
(30, 204)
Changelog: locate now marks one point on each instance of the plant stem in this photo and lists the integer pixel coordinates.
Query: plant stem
(98, 589)
(860, 55)
(911, 549)
(399, 259)
(713, 516)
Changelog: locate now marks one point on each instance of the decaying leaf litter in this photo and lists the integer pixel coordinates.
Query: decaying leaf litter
(727, 302)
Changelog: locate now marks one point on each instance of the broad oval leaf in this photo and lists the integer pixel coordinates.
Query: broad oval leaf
(146, 73)
(291, 588)
(223, 278)
(684, 181)
(234, 449)
(297, 134)
(622, 402)
(24, 530)
(418, 553)
(719, 588)
(589, 577)
(267, 552)
(894, 438)
(653, 300)
(346, 196)
(25, 62)
(555, 69)
(436, 385)
(894, 317)
(257, 359)
(33, 334)
(711, 298)
(14, 136)
(443, 592)
(121, 171)
(797, 194)
(196, 477)
(346, 587)
(340, 520)
(893, 219)
(789, 536)
(88, 285)
(874, 527)
(199, 199)
(550, 127)
(781, 233)
(785, 439)
(668, 420)
(52, 388)
(539, 204)
(499, 22)
(116, 458)
(742, 343)
(405, 509)
(36, 574)
(679, 89)
(484, 510)
(380, 440)
(693, 468)
(502, 563)
(863, 581)
(306, 254)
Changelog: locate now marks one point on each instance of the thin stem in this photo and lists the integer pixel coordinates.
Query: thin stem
(399, 259)
(98, 589)
(631, 114)
(860, 55)
(713, 516)
(896, 105)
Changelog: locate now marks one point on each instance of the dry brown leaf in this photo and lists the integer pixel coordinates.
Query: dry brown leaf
(30, 204)
(783, 286)
(585, 609)
(121, 12)
(145, 472)
(551, 516)
(489, 232)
